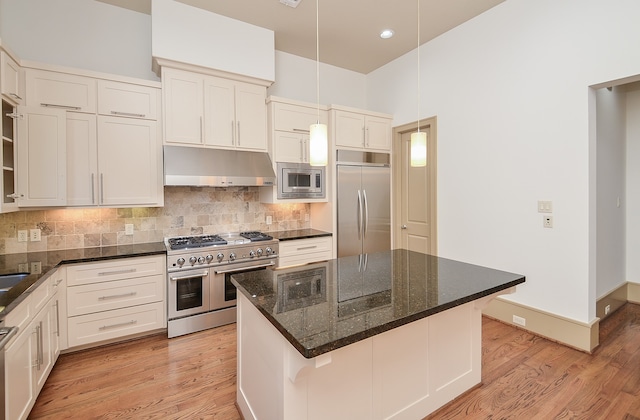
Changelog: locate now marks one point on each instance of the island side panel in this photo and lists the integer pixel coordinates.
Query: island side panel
(404, 373)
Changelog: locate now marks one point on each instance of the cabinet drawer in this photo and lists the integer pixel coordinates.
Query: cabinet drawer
(118, 323)
(104, 296)
(295, 118)
(61, 90)
(115, 270)
(127, 100)
(304, 251)
(21, 315)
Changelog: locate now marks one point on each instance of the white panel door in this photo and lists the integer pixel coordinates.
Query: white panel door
(127, 161)
(251, 117)
(219, 116)
(349, 128)
(82, 160)
(378, 135)
(183, 106)
(42, 150)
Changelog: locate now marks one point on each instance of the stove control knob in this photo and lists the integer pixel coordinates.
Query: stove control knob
(181, 261)
(232, 256)
(192, 260)
(201, 260)
(209, 258)
(220, 256)
(259, 252)
(269, 251)
(252, 253)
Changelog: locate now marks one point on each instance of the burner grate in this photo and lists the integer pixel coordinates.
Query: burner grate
(185, 242)
(256, 236)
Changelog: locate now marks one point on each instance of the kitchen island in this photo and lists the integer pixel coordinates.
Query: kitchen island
(395, 334)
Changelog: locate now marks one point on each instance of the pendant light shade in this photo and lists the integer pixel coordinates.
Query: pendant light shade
(419, 149)
(318, 141)
(318, 155)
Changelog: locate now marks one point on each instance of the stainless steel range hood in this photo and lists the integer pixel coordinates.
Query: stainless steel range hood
(196, 166)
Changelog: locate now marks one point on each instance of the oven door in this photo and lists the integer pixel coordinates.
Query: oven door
(223, 292)
(188, 293)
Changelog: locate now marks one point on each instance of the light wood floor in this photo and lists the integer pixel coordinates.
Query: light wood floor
(192, 377)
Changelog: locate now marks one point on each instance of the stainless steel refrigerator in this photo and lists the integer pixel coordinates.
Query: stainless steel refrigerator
(364, 202)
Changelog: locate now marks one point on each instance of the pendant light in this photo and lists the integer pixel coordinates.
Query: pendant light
(419, 138)
(318, 144)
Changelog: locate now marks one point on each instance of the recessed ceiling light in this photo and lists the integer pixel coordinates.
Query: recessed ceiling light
(386, 34)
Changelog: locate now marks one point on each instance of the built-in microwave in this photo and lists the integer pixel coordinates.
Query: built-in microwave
(300, 180)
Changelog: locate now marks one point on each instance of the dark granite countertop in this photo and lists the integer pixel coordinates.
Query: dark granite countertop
(324, 306)
(50, 260)
(288, 235)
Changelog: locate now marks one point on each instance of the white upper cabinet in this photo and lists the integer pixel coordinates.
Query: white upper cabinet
(12, 84)
(61, 90)
(213, 111)
(82, 159)
(361, 130)
(41, 157)
(127, 100)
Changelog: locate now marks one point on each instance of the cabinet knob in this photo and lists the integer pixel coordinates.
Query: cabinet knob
(403, 227)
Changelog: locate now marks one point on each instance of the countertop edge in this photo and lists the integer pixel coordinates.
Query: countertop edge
(292, 235)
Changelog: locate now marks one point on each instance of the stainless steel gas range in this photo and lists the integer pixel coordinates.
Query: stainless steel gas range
(199, 268)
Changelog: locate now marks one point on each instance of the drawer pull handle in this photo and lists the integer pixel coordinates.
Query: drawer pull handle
(299, 130)
(122, 324)
(18, 97)
(73, 108)
(117, 296)
(108, 273)
(307, 247)
(127, 114)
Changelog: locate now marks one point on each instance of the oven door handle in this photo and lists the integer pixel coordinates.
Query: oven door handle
(233, 270)
(203, 274)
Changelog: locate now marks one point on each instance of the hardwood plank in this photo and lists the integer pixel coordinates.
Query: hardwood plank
(194, 376)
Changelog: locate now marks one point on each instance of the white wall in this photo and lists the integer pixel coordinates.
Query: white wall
(191, 35)
(633, 185)
(78, 33)
(510, 91)
(610, 189)
(296, 79)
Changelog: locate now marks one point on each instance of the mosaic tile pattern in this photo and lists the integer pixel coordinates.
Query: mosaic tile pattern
(186, 211)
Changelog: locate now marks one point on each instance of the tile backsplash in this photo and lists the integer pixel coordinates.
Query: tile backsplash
(186, 211)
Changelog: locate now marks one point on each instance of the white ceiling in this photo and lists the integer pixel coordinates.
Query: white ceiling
(349, 29)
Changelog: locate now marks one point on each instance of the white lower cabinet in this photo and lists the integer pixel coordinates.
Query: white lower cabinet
(305, 251)
(114, 299)
(30, 356)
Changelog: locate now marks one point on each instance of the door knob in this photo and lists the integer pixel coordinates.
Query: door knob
(403, 227)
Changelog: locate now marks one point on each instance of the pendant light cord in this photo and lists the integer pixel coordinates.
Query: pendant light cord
(418, 66)
(317, 61)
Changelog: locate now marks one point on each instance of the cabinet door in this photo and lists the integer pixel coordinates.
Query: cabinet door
(43, 346)
(349, 128)
(8, 155)
(251, 117)
(82, 159)
(61, 90)
(291, 147)
(42, 154)
(220, 125)
(296, 118)
(183, 106)
(20, 356)
(378, 135)
(12, 79)
(127, 100)
(128, 159)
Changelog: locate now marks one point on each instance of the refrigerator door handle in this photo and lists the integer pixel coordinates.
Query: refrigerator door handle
(360, 218)
(365, 225)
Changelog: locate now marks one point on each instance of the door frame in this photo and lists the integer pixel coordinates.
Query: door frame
(432, 163)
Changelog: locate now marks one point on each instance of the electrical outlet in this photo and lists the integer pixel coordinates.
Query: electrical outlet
(607, 309)
(547, 221)
(35, 235)
(23, 235)
(36, 267)
(306, 217)
(519, 320)
(128, 229)
(23, 268)
(269, 220)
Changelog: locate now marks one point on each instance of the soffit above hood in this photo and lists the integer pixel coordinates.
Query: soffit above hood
(196, 166)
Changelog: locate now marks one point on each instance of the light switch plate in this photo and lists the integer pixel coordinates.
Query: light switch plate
(128, 229)
(34, 234)
(545, 207)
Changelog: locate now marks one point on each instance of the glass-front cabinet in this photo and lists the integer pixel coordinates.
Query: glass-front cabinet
(8, 157)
